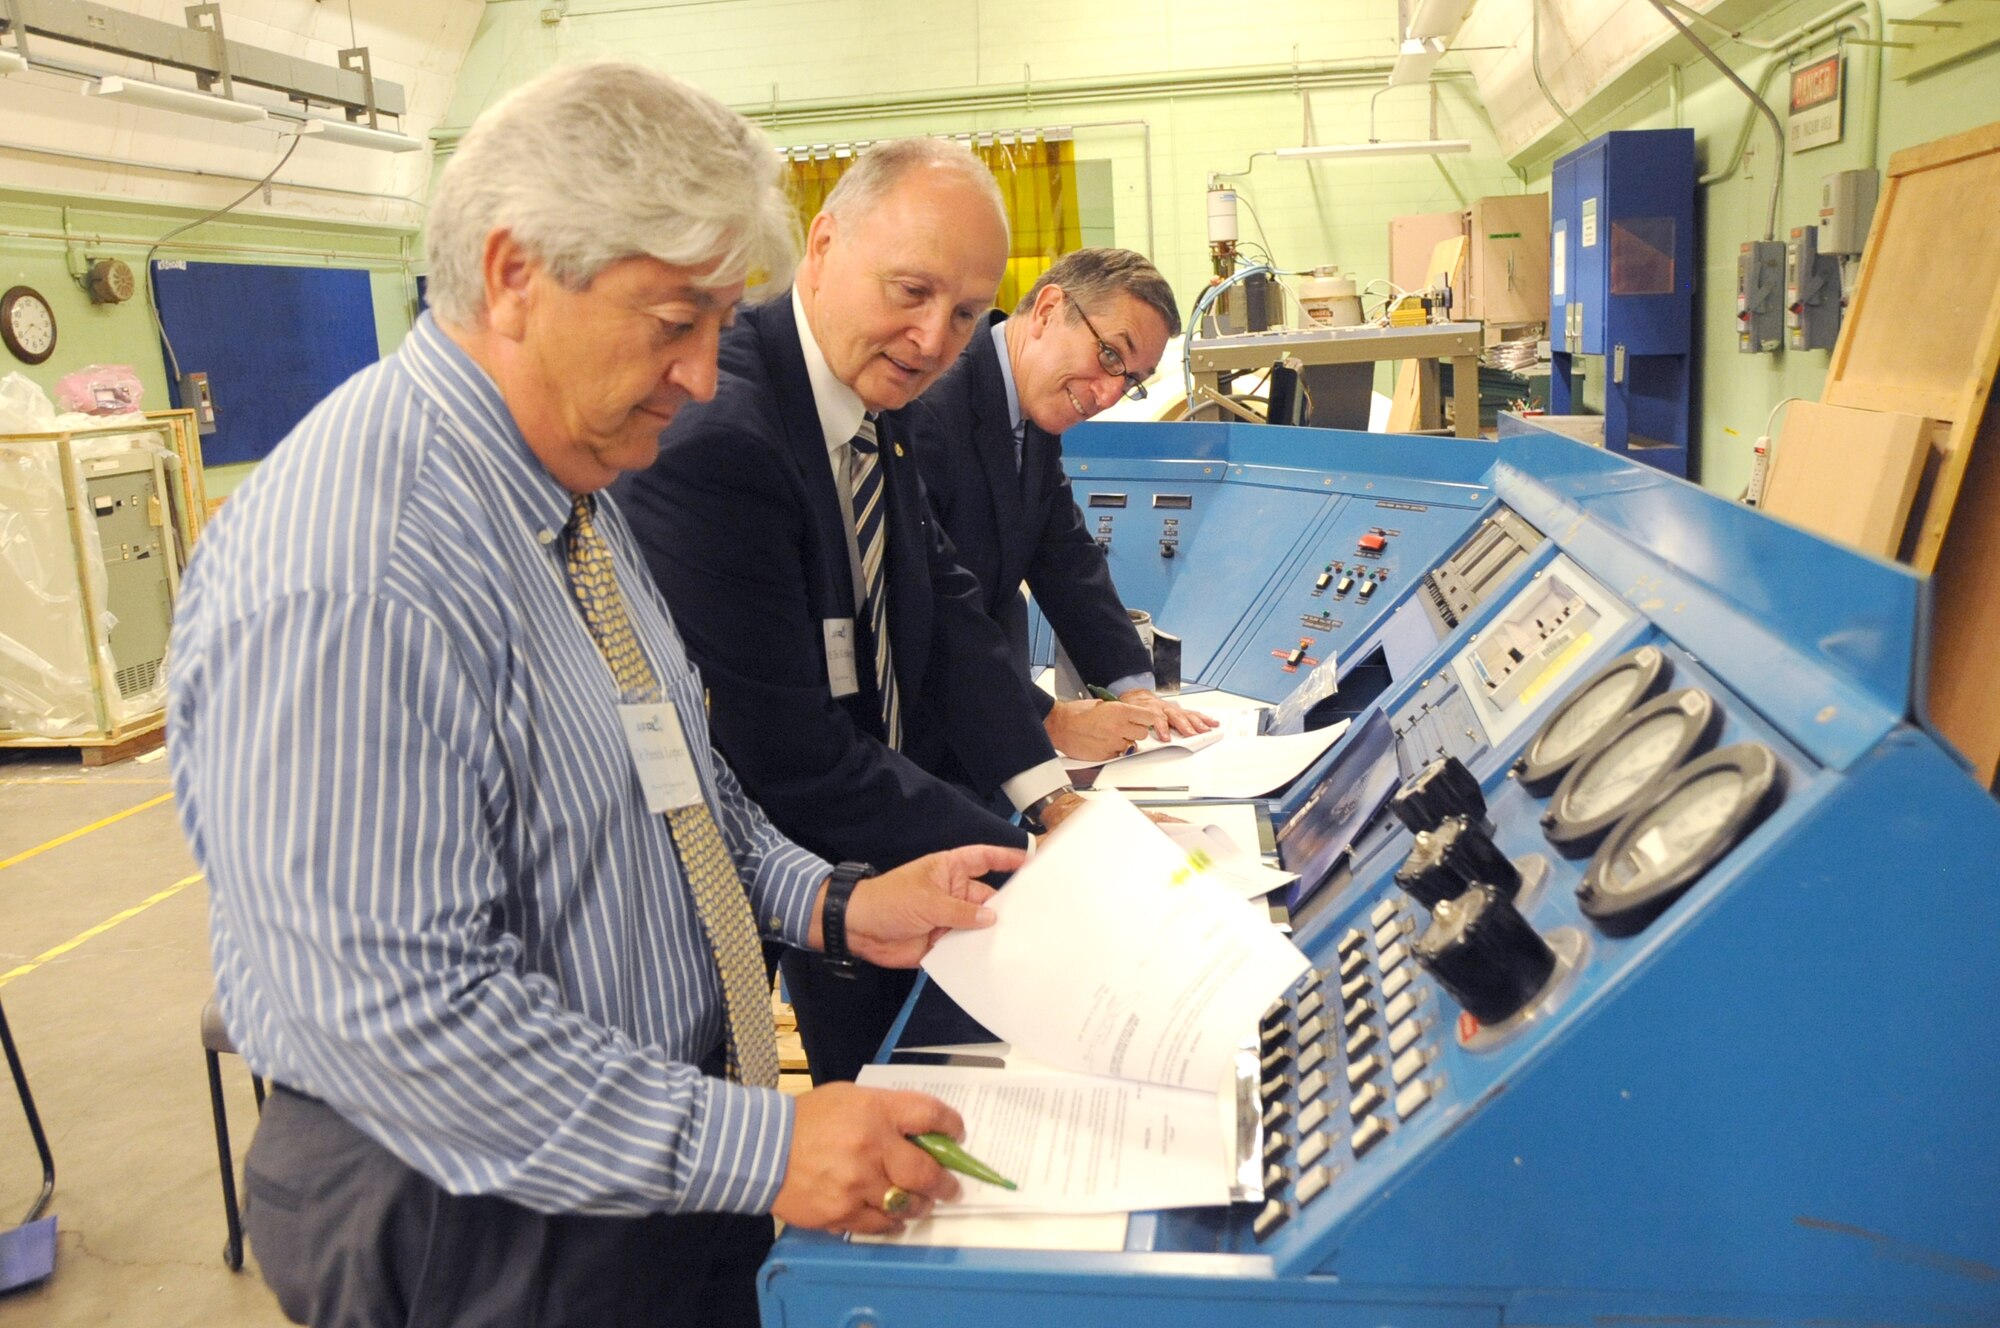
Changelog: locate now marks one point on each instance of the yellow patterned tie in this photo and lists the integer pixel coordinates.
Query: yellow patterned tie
(719, 900)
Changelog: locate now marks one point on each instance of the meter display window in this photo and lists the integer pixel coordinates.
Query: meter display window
(1642, 256)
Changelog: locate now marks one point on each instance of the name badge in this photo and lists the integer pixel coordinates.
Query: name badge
(840, 675)
(659, 751)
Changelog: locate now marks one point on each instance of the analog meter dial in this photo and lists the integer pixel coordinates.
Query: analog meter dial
(1698, 814)
(1619, 773)
(1590, 713)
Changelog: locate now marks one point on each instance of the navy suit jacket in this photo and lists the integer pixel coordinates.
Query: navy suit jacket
(742, 526)
(1011, 525)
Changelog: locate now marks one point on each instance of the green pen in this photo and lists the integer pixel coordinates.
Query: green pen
(1103, 693)
(954, 1158)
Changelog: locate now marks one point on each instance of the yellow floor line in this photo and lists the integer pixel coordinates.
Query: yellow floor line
(60, 840)
(98, 930)
(156, 781)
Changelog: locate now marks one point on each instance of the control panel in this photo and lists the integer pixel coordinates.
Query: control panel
(1643, 935)
(1260, 556)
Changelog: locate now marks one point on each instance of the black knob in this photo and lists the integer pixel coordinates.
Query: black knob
(1442, 788)
(1451, 859)
(1484, 953)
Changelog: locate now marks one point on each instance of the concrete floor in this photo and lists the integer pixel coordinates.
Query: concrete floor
(108, 1031)
(108, 1034)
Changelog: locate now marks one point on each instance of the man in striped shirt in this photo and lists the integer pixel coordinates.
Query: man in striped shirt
(448, 916)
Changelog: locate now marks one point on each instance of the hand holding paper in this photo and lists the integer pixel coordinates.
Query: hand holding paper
(1115, 954)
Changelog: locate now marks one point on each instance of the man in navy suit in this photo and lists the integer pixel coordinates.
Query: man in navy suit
(989, 443)
(857, 686)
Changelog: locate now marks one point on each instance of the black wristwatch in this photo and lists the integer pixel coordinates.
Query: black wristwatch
(1031, 815)
(833, 918)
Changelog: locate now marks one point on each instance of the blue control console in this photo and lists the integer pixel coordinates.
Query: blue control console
(1268, 550)
(1650, 931)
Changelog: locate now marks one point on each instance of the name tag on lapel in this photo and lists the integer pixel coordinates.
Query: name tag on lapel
(840, 675)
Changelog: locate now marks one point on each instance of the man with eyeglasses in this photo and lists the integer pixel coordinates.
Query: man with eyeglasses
(988, 439)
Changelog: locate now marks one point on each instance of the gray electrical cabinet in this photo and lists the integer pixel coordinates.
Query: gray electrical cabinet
(89, 530)
(123, 498)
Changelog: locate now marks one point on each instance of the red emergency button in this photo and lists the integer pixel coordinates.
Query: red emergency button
(1372, 542)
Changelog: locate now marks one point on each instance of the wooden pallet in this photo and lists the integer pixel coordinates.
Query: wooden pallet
(99, 749)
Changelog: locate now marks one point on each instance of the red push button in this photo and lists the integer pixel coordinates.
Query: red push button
(1372, 542)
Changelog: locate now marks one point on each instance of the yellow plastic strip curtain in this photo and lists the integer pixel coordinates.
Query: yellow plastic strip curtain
(1038, 182)
(1037, 178)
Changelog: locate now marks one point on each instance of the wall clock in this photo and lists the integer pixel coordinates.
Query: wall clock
(27, 325)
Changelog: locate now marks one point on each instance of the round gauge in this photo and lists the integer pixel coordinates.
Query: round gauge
(27, 325)
(1591, 712)
(1699, 813)
(1617, 774)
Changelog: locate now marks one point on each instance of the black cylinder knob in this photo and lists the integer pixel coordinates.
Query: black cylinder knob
(1447, 861)
(1442, 788)
(1423, 876)
(1485, 954)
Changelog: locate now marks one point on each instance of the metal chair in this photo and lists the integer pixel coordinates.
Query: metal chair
(28, 1251)
(215, 1041)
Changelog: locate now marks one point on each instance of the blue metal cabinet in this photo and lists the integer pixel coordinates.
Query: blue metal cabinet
(1622, 287)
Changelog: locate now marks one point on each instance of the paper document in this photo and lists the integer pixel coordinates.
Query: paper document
(1245, 873)
(1077, 1143)
(1239, 766)
(1180, 742)
(1115, 954)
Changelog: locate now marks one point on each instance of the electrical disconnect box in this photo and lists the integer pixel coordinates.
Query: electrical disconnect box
(195, 396)
(1812, 292)
(1759, 268)
(1846, 209)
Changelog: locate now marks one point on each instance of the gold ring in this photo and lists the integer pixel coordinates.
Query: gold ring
(896, 1200)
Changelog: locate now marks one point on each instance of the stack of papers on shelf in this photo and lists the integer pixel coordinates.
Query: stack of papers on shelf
(1123, 965)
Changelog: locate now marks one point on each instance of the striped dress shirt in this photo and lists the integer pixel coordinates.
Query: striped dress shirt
(438, 900)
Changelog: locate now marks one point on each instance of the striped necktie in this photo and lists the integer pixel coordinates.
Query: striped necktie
(864, 480)
(720, 903)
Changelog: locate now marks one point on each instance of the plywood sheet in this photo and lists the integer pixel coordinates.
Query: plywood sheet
(1923, 332)
(1847, 474)
(1965, 627)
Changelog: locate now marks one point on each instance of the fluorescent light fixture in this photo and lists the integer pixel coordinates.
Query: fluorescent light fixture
(1415, 61)
(360, 136)
(1436, 147)
(1437, 18)
(12, 62)
(163, 98)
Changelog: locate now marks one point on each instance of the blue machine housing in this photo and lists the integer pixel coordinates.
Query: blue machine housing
(1253, 518)
(1622, 277)
(1759, 1109)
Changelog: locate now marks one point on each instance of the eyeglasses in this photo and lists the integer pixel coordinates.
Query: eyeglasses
(1107, 355)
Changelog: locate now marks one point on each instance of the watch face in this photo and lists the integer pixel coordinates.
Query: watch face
(28, 325)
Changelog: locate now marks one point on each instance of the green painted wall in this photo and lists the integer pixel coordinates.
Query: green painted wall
(34, 252)
(1029, 64)
(1736, 393)
(846, 70)
(1077, 63)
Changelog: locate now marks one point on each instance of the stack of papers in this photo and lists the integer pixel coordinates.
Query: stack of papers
(1234, 765)
(1123, 965)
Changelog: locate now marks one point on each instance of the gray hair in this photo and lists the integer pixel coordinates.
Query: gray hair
(1094, 276)
(596, 162)
(882, 167)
